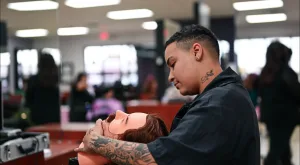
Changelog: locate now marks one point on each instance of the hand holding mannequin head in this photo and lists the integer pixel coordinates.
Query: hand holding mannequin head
(135, 127)
(90, 159)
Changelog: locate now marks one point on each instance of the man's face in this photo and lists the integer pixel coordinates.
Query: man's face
(183, 71)
(120, 122)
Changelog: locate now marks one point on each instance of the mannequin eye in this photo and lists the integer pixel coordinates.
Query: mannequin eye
(126, 121)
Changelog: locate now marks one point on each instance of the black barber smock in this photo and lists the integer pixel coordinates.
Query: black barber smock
(219, 127)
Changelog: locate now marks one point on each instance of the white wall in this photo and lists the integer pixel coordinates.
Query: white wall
(268, 30)
(72, 48)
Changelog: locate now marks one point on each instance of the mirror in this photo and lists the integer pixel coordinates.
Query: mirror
(29, 37)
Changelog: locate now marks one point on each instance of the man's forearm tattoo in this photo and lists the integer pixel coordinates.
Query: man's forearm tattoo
(121, 152)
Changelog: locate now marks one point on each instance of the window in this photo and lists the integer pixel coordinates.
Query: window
(295, 60)
(55, 54)
(4, 63)
(251, 53)
(4, 70)
(108, 64)
(224, 47)
(27, 60)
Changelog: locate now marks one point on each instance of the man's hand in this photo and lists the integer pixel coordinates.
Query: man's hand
(89, 137)
(119, 152)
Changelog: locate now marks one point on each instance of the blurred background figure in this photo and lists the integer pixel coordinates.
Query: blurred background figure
(250, 83)
(149, 91)
(42, 94)
(79, 99)
(279, 90)
(119, 91)
(104, 104)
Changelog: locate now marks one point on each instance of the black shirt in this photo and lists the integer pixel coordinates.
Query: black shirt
(280, 100)
(78, 101)
(219, 127)
(43, 102)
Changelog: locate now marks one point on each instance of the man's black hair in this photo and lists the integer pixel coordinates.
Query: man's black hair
(191, 33)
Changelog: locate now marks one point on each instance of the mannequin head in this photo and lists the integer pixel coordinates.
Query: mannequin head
(116, 124)
(135, 127)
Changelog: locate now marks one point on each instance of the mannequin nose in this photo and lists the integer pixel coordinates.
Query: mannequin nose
(120, 115)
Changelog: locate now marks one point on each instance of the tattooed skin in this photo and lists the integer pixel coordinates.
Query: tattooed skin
(206, 77)
(121, 152)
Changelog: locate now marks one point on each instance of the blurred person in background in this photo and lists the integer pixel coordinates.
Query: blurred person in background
(42, 94)
(79, 99)
(280, 99)
(119, 91)
(130, 92)
(105, 104)
(149, 91)
(250, 84)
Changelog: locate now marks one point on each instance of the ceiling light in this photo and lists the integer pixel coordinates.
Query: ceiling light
(32, 33)
(33, 5)
(266, 18)
(91, 3)
(129, 14)
(72, 31)
(151, 25)
(255, 5)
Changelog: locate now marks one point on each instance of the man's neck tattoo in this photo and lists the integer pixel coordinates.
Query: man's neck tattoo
(206, 77)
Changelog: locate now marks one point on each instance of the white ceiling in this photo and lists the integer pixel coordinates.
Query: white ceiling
(95, 18)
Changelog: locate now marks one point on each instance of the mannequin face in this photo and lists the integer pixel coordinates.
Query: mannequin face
(114, 125)
(120, 122)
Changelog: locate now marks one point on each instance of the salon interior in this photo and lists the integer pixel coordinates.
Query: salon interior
(108, 55)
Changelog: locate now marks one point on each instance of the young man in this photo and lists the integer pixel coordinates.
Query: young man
(219, 127)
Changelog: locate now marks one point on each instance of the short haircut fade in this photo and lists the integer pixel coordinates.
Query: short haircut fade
(186, 37)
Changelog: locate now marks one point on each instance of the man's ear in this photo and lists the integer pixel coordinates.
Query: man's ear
(197, 50)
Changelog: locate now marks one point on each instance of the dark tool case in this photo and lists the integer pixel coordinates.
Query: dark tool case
(21, 145)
